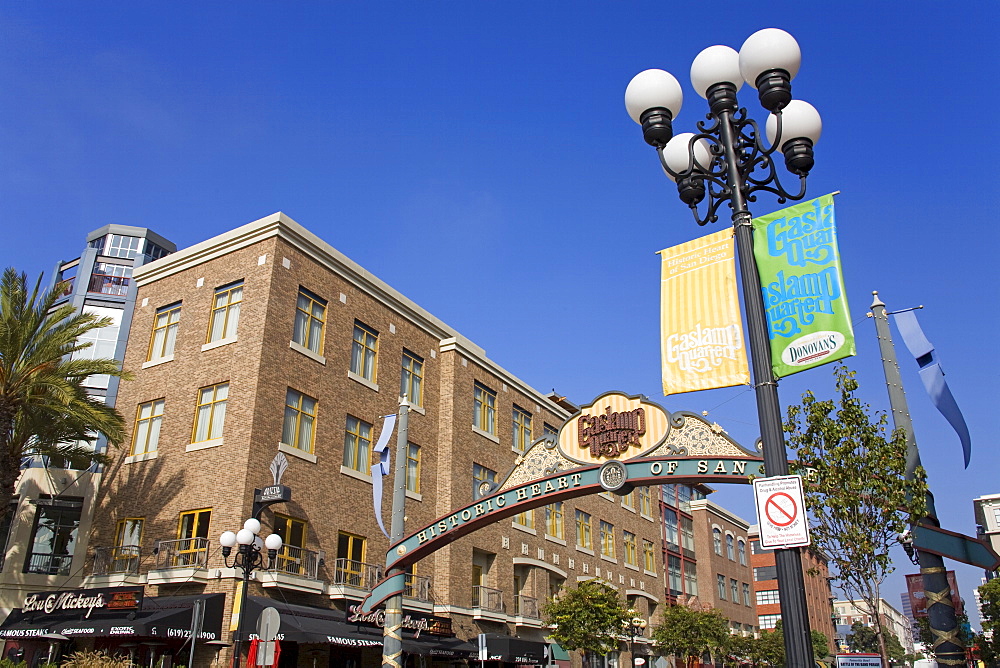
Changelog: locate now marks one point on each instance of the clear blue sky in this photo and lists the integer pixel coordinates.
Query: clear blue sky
(477, 156)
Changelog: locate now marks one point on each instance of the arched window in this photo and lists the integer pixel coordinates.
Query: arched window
(717, 538)
(729, 548)
(741, 547)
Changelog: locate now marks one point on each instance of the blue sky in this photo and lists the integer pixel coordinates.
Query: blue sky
(478, 157)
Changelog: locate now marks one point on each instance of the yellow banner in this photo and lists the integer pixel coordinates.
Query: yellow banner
(701, 333)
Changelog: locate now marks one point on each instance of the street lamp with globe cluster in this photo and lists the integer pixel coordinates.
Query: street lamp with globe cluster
(635, 626)
(249, 556)
(727, 160)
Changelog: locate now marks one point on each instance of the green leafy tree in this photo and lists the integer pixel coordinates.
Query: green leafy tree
(772, 650)
(686, 631)
(858, 496)
(988, 642)
(862, 638)
(588, 618)
(44, 408)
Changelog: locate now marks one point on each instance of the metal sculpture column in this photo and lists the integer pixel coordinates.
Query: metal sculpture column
(392, 639)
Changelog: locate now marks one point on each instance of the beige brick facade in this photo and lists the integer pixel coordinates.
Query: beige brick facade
(274, 258)
(720, 539)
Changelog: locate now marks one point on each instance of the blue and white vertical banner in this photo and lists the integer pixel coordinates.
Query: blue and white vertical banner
(381, 467)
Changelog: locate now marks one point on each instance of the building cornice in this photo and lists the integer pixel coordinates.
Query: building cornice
(278, 225)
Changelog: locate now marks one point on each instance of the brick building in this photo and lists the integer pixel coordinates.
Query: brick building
(723, 551)
(266, 339)
(819, 596)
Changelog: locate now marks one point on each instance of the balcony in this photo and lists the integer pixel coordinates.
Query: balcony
(180, 560)
(49, 564)
(418, 587)
(118, 560)
(116, 567)
(294, 568)
(487, 603)
(526, 612)
(107, 284)
(353, 579)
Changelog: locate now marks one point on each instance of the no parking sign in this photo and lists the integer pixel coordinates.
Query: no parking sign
(781, 511)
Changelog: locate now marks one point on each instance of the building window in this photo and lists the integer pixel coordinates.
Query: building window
(687, 536)
(192, 526)
(364, 351)
(411, 381)
(755, 547)
(550, 432)
(583, 538)
(720, 581)
(670, 525)
(53, 536)
(674, 575)
(119, 245)
(717, 540)
(299, 427)
(734, 589)
(225, 312)
(484, 409)
(690, 578)
(164, 337)
(554, 519)
(522, 429)
(741, 549)
(482, 474)
(310, 320)
(767, 621)
(628, 500)
(413, 468)
(746, 594)
(768, 597)
(125, 552)
(110, 279)
(357, 444)
(729, 548)
(146, 435)
(525, 519)
(648, 556)
(629, 543)
(645, 501)
(210, 415)
(350, 559)
(607, 539)
(762, 573)
(293, 542)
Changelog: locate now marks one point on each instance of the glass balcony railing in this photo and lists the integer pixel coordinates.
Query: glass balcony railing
(487, 598)
(121, 559)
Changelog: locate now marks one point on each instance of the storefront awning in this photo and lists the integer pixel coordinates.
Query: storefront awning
(159, 617)
(511, 649)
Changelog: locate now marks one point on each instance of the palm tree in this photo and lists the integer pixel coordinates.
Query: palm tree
(44, 409)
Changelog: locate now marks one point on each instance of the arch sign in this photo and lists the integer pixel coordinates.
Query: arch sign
(617, 443)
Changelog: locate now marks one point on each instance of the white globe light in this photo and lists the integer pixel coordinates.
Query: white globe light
(716, 64)
(252, 525)
(244, 536)
(677, 154)
(769, 49)
(798, 119)
(227, 539)
(653, 88)
(273, 542)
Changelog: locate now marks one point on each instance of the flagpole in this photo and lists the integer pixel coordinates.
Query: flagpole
(392, 639)
(948, 646)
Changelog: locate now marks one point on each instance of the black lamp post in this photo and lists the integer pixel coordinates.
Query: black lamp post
(728, 161)
(635, 626)
(248, 557)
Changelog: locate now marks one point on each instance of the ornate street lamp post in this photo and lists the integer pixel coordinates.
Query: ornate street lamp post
(248, 557)
(635, 626)
(728, 161)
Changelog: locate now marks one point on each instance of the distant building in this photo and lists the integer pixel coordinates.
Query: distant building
(893, 621)
(816, 574)
(45, 532)
(723, 551)
(987, 511)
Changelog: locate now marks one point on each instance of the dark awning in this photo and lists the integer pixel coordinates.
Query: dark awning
(159, 617)
(306, 624)
(449, 648)
(511, 649)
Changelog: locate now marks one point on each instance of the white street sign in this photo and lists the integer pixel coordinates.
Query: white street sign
(781, 511)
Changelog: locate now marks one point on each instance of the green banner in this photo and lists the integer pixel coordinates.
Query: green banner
(808, 321)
